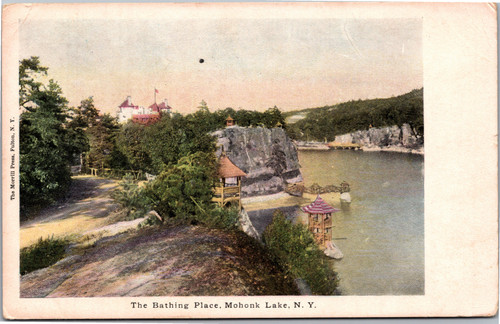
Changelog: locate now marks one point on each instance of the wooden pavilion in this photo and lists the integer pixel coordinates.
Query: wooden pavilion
(320, 220)
(228, 190)
(230, 121)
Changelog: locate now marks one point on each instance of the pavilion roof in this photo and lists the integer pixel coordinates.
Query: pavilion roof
(319, 206)
(227, 169)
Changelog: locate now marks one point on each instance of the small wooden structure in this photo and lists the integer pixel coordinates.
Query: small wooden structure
(228, 189)
(229, 121)
(297, 189)
(114, 173)
(344, 146)
(320, 220)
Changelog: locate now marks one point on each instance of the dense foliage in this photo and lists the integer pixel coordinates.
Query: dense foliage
(42, 254)
(211, 121)
(48, 144)
(294, 249)
(327, 122)
(153, 148)
(184, 190)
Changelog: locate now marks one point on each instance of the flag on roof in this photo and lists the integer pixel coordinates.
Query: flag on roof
(157, 91)
(319, 206)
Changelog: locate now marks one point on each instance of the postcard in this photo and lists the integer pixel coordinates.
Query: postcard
(249, 160)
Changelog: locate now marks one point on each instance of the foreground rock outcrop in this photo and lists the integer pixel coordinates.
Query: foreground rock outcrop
(168, 261)
(393, 138)
(267, 156)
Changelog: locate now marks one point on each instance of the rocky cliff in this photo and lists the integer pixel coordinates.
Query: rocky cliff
(393, 138)
(267, 156)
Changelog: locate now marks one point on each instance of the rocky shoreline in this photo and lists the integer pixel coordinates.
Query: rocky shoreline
(397, 149)
(394, 138)
(400, 139)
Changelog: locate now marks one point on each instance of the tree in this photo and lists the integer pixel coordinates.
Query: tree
(131, 141)
(102, 141)
(29, 71)
(81, 118)
(203, 106)
(86, 114)
(273, 117)
(45, 149)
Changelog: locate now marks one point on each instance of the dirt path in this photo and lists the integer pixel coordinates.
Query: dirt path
(87, 206)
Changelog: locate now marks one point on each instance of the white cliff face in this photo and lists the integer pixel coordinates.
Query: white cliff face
(393, 138)
(267, 156)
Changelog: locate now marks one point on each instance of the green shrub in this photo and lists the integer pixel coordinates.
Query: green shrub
(42, 254)
(182, 193)
(293, 247)
(132, 197)
(218, 217)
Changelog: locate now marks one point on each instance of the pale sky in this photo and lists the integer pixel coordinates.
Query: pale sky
(248, 63)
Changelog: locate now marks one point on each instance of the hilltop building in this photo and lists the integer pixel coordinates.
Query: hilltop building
(128, 111)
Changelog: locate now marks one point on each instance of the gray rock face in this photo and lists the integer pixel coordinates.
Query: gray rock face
(381, 137)
(267, 156)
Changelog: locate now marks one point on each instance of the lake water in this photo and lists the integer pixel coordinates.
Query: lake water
(381, 233)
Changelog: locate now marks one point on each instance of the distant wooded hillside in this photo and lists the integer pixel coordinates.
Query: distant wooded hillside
(329, 121)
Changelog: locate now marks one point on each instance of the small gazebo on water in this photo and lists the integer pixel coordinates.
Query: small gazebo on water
(320, 220)
(228, 189)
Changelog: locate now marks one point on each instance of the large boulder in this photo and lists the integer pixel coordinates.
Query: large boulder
(267, 156)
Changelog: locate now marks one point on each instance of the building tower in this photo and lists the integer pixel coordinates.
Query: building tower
(126, 110)
(320, 220)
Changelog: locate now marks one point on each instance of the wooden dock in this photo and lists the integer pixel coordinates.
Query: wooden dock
(344, 146)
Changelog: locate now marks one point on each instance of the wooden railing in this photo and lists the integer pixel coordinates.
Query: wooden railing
(115, 173)
(297, 189)
(226, 190)
(224, 195)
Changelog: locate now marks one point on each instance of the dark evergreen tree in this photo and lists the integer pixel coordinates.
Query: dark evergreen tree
(46, 149)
